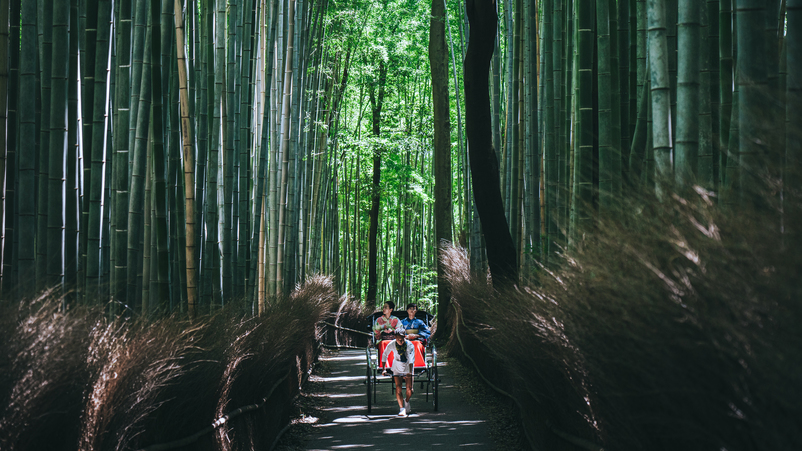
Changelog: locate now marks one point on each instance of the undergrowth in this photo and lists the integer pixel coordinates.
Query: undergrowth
(77, 380)
(673, 325)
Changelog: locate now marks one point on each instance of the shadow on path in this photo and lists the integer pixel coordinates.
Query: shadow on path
(345, 423)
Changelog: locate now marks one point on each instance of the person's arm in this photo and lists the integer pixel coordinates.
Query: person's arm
(411, 354)
(377, 328)
(385, 354)
(423, 330)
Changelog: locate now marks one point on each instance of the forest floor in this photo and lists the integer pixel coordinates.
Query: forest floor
(332, 412)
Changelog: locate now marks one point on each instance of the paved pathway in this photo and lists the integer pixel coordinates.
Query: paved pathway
(347, 425)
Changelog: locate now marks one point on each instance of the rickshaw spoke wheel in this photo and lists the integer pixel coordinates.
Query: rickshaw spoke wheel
(370, 389)
(436, 382)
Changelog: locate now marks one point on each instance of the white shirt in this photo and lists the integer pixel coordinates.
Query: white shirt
(400, 368)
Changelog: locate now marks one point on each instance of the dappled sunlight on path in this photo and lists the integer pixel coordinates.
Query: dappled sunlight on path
(346, 424)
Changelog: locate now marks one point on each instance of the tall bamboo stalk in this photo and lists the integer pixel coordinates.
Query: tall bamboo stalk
(138, 172)
(793, 106)
(725, 63)
(55, 171)
(605, 102)
(45, 29)
(10, 235)
(285, 143)
(660, 90)
(705, 169)
(71, 188)
(189, 163)
(687, 147)
(752, 81)
(159, 160)
(95, 181)
(27, 131)
(4, 81)
(119, 181)
(583, 170)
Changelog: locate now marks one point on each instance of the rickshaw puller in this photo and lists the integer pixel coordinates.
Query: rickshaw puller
(403, 364)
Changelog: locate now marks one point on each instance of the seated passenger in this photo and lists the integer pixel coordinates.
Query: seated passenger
(416, 328)
(385, 325)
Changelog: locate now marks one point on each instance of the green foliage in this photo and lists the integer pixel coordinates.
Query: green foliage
(426, 280)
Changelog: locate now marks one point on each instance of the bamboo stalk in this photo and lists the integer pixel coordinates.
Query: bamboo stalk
(189, 163)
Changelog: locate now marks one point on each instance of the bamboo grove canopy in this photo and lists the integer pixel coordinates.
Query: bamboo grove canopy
(181, 155)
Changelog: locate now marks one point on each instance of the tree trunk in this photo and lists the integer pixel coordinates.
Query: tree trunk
(55, 172)
(285, 149)
(159, 170)
(189, 164)
(605, 102)
(687, 147)
(376, 103)
(438, 62)
(72, 190)
(120, 178)
(725, 65)
(583, 160)
(793, 107)
(484, 166)
(704, 166)
(45, 28)
(138, 168)
(5, 124)
(658, 56)
(753, 105)
(27, 131)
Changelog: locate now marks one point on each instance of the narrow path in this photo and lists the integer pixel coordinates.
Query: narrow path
(345, 423)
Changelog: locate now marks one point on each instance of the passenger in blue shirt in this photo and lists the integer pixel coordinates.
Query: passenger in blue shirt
(416, 328)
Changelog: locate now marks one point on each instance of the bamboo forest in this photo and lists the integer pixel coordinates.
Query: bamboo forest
(594, 206)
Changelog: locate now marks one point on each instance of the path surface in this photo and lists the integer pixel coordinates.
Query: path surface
(345, 423)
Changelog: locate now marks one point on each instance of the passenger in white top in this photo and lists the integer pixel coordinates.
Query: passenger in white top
(403, 364)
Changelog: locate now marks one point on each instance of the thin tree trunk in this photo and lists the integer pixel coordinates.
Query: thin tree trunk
(752, 80)
(466, 207)
(438, 62)
(583, 159)
(120, 161)
(624, 81)
(159, 180)
(147, 239)
(58, 107)
(94, 183)
(705, 169)
(725, 63)
(5, 124)
(605, 112)
(687, 147)
(658, 56)
(637, 151)
(376, 102)
(484, 167)
(45, 28)
(72, 191)
(285, 144)
(229, 127)
(27, 132)
(189, 165)
(137, 192)
(793, 106)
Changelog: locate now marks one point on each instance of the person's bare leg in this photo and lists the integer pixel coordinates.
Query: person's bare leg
(409, 386)
(398, 397)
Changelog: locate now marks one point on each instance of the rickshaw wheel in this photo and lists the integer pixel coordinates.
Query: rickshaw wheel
(369, 385)
(436, 388)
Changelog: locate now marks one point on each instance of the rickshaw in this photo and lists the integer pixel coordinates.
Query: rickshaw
(425, 370)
